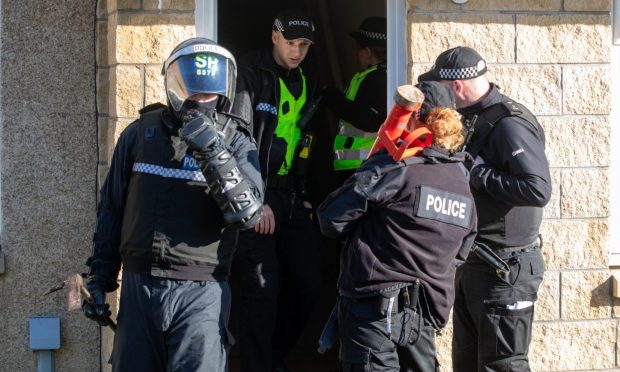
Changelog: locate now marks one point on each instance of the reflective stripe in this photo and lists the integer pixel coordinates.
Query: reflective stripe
(351, 154)
(158, 170)
(349, 130)
(350, 138)
(287, 122)
(353, 143)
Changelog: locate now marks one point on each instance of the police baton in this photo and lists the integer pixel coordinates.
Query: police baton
(487, 255)
(303, 122)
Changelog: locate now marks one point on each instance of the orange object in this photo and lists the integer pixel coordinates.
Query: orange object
(394, 135)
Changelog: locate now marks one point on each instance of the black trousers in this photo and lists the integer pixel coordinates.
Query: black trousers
(491, 333)
(367, 343)
(280, 279)
(172, 325)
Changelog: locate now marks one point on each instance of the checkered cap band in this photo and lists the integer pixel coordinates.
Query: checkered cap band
(458, 73)
(158, 170)
(278, 25)
(373, 35)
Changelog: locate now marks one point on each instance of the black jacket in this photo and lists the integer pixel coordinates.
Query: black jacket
(514, 184)
(403, 223)
(154, 213)
(257, 101)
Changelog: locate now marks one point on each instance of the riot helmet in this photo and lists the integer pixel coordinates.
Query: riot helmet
(196, 68)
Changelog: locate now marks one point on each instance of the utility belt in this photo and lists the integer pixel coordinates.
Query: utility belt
(507, 252)
(278, 181)
(496, 257)
(394, 301)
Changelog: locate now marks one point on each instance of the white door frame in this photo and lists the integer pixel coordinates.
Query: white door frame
(205, 19)
(396, 46)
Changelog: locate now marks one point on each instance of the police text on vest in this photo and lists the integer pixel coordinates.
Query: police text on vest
(444, 206)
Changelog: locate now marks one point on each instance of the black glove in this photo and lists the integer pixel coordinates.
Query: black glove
(100, 312)
(201, 134)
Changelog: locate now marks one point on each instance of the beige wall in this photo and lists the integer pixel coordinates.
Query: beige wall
(134, 38)
(48, 174)
(553, 56)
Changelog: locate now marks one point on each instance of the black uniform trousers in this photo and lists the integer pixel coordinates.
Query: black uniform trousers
(280, 281)
(367, 343)
(491, 333)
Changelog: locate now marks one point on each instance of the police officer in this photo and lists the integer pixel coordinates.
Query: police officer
(180, 174)
(510, 181)
(405, 223)
(277, 263)
(362, 108)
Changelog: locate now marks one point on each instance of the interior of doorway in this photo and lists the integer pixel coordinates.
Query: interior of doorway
(245, 26)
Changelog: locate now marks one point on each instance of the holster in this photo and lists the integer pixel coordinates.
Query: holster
(407, 297)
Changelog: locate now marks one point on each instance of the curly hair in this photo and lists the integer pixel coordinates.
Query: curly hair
(445, 124)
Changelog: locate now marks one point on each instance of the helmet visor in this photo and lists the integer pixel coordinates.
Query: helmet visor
(208, 73)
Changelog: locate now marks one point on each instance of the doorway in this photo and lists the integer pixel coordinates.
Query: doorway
(245, 26)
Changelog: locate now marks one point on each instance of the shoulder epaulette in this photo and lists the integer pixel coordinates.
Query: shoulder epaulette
(513, 108)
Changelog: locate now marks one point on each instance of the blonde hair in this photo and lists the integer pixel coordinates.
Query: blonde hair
(447, 129)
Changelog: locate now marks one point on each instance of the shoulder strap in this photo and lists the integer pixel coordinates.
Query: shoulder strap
(413, 160)
(404, 163)
(486, 121)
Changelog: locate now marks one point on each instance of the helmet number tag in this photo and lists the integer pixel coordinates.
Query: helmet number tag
(206, 65)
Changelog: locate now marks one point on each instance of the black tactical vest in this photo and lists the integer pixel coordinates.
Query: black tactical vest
(171, 226)
(501, 224)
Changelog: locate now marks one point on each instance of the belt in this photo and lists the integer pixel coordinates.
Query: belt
(281, 182)
(503, 251)
(405, 297)
(523, 249)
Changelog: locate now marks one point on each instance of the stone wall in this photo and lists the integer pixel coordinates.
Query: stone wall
(554, 57)
(48, 151)
(134, 38)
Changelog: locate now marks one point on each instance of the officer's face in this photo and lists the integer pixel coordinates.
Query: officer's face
(364, 57)
(289, 53)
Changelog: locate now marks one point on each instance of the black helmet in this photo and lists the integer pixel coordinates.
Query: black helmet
(199, 66)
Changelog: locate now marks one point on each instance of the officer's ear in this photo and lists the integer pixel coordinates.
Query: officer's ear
(274, 36)
(457, 87)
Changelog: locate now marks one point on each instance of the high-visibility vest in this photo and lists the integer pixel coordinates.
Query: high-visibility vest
(287, 122)
(352, 145)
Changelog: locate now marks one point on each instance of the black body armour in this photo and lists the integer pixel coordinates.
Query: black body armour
(171, 226)
(501, 223)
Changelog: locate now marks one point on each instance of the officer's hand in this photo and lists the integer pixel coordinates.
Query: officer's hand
(267, 224)
(200, 133)
(99, 310)
(478, 161)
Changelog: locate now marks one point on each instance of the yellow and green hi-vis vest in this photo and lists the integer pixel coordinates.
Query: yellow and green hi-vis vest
(352, 145)
(287, 123)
